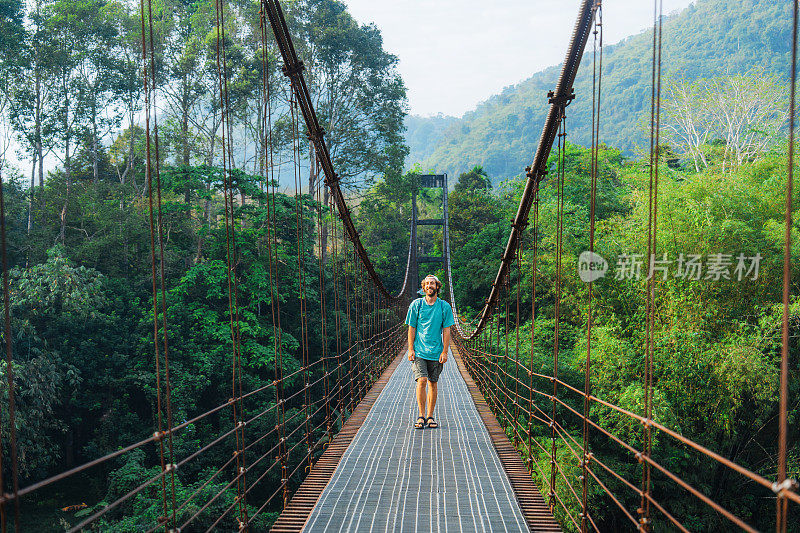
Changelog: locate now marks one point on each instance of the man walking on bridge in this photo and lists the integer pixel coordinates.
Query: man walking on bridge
(429, 320)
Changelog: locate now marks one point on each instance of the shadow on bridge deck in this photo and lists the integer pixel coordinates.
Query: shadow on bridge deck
(380, 474)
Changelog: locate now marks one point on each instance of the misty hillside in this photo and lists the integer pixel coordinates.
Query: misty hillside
(708, 38)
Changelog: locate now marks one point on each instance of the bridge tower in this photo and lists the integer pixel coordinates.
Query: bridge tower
(427, 181)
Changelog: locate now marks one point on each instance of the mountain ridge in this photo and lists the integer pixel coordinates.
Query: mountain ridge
(707, 38)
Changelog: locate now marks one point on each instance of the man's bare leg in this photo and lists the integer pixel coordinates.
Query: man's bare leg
(421, 393)
(432, 392)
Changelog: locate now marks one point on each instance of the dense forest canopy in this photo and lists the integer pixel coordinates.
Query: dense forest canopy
(79, 243)
(718, 312)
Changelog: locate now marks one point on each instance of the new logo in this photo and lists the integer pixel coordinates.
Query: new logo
(591, 266)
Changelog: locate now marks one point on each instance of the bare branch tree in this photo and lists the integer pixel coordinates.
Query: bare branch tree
(747, 112)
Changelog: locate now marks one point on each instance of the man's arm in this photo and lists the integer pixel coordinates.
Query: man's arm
(412, 333)
(446, 342)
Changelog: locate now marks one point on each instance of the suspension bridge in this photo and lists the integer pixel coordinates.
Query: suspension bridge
(342, 445)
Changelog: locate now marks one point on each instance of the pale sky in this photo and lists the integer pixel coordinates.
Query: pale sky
(456, 53)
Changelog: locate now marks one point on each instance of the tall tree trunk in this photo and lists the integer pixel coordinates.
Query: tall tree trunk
(62, 234)
(30, 203)
(128, 166)
(95, 166)
(313, 170)
(185, 126)
(38, 133)
(38, 113)
(185, 136)
(67, 139)
(324, 237)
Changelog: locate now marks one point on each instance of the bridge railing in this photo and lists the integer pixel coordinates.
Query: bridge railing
(269, 433)
(584, 464)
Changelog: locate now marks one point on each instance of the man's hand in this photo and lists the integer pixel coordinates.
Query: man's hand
(446, 342)
(412, 335)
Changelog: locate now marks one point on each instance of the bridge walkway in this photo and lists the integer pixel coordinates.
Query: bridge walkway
(463, 476)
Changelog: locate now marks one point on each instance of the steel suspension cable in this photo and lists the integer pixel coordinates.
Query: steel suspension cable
(337, 314)
(516, 347)
(655, 115)
(597, 73)
(320, 206)
(534, 276)
(231, 259)
(156, 227)
(349, 307)
(782, 503)
(560, 173)
(9, 370)
(272, 250)
(162, 276)
(538, 169)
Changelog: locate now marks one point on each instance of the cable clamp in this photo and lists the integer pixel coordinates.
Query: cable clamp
(158, 435)
(242, 470)
(318, 135)
(293, 70)
(639, 457)
(170, 466)
(529, 172)
(786, 484)
(562, 100)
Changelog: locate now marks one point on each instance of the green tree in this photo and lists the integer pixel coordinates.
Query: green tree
(472, 206)
(359, 95)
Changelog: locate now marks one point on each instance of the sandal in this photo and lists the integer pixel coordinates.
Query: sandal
(418, 424)
(431, 423)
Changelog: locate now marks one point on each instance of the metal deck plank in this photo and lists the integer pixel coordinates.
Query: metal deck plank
(393, 477)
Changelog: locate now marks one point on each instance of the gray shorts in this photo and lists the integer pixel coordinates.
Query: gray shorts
(423, 368)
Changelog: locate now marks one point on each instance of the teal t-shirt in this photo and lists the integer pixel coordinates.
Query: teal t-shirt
(429, 321)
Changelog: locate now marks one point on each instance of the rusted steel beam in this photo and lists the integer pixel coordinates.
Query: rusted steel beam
(293, 69)
(558, 99)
